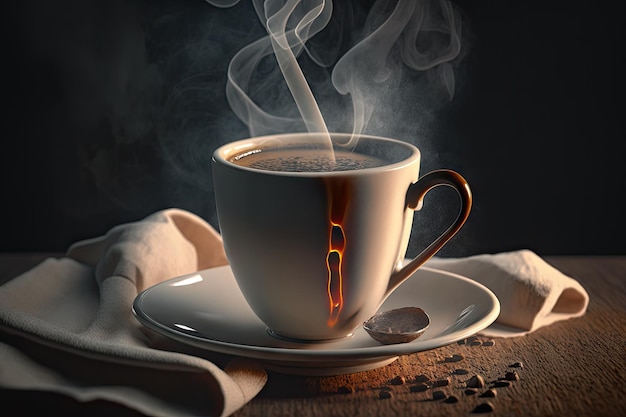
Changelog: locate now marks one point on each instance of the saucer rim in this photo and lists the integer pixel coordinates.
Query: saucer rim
(295, 355)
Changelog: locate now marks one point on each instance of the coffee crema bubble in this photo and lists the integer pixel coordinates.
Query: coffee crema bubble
(306, 160)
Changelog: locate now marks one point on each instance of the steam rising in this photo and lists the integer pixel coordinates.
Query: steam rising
(290, 26)
(149, 89)
(398, 38)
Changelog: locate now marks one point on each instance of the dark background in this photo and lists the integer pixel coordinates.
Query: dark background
(112, 110)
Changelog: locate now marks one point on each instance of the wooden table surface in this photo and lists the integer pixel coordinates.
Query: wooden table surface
(575, 367)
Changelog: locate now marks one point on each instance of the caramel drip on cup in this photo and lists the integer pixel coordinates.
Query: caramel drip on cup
(337, 204)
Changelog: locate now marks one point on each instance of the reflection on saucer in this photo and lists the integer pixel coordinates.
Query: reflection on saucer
(206, 310)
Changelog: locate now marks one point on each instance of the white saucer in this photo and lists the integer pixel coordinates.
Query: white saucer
(207, 310)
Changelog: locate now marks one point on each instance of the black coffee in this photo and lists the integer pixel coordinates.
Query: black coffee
(306, 160)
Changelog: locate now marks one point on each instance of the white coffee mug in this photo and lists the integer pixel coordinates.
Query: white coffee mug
(316, 253)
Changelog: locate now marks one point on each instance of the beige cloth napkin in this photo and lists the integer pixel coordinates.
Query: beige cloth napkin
(532, 293)
(67, 326)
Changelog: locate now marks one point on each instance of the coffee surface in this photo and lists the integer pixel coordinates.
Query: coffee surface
(306, 160)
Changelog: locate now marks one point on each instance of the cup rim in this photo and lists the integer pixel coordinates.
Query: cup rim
(239, 146)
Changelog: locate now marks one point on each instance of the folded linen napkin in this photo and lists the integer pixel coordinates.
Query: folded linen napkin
(66, 325)
(532, 293)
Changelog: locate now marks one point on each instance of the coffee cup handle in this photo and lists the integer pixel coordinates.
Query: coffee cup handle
(414, 200)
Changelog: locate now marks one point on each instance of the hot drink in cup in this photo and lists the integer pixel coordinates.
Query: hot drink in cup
(302, 159)
(315, 240)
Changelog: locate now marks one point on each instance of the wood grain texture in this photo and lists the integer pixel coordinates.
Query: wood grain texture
(572, 368)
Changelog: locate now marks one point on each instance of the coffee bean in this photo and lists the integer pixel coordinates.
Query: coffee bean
(454, 358)
(511, 376)
(452, 399)
(439, 395)
(490, 393)
(471, 391)
(344, 389)
(460, 372)
(517, 365)
(383, 395)
(441, 382)
(474, 341)
(422, 378)
(476, 381)
(489, 342)
(419, 387)
(398, 380)
(501, 384)
(461, 342)
(485, 407)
